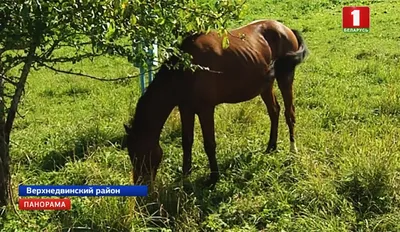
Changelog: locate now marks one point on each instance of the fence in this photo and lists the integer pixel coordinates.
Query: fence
(151, 62)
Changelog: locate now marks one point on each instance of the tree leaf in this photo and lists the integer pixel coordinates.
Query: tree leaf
(225, 42)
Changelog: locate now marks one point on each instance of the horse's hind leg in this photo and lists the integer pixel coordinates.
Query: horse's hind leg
(206, 118)
(273, 108)
(285, 83)
(187, 120)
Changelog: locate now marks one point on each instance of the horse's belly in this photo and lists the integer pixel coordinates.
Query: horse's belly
(236, 95)
(227, 90)
(239, 84)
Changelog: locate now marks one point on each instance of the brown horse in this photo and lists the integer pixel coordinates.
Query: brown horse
(258, 53)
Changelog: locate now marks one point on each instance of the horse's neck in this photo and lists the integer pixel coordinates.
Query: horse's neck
(154, 109)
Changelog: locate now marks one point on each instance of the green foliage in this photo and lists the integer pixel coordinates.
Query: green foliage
(119, 27)
(345, 177)
(169, 21)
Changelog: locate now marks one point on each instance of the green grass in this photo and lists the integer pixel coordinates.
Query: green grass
(346, 176)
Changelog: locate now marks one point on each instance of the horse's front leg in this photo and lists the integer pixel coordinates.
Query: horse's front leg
(187, 120)
(206, 118)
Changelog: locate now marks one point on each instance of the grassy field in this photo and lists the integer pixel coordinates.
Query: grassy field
(346, 176)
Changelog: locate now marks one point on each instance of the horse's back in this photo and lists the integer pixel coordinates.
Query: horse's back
(243, 67)
(241, 54)
(280, 38)
(259, 42)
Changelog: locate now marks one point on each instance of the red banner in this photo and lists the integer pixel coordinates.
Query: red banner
(44, 204)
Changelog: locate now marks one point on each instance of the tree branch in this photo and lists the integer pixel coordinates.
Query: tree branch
(51, 49)
(18, 91)
(3, 77)
(8, 95)
(13, 63)
(90, 76)
(70, 59)
(58, 43)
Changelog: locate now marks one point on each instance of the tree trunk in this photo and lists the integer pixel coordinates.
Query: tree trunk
(4, 155)
(6, 123)
(12, 111)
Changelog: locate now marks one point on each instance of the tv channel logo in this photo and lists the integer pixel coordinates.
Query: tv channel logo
(356, 19)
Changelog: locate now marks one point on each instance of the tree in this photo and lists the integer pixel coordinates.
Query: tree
(31, 32)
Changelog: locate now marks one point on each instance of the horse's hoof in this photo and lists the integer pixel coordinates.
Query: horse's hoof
(271, 149)
(212, 181)
(293, 148)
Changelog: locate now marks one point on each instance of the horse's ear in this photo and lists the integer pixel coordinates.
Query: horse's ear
(126, 128)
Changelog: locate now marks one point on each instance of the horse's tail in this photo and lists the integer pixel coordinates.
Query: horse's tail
(299, 56)
(288, 62)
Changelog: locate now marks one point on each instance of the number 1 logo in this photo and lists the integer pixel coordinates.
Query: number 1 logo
(356, 19)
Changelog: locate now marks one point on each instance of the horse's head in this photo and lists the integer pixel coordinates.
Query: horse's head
(145, 159)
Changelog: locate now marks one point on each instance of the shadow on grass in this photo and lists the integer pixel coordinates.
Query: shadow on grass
(183, 204)
(369, 196)
(78, 150)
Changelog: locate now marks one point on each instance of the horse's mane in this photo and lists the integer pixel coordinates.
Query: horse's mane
(160, 79)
